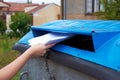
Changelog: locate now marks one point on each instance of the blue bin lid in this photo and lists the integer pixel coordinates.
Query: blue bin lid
(81, 26)
(104, 35)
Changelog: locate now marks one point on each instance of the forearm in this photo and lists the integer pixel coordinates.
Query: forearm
(11, 69)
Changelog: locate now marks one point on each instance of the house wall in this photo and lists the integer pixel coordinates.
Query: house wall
(3, 5)
(48, 13)
(80, 16)
(75, 9)
(75, 6)
(8, 20)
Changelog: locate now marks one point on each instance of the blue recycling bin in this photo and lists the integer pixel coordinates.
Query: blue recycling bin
(94, 50)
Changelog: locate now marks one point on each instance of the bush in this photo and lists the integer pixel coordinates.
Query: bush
(112, 10)
(7, 55)
(6, 43)
(2, 26)
(20, 24)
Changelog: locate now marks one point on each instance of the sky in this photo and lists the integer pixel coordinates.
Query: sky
(36, 1)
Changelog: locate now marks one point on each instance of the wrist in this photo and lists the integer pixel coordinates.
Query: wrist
(29, 52)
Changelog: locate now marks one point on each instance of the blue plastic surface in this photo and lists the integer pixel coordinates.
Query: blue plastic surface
(105, 36)
(85, 27)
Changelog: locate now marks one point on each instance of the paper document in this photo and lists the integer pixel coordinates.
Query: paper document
(50, 38)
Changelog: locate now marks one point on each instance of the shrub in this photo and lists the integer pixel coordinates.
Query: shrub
(112, 9)
(20, 23)
(2, 26)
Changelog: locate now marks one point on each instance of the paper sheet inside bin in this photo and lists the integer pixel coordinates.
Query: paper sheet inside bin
(50, 38)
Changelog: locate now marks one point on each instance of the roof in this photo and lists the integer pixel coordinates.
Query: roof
(18, 7)
(4, 4)
(38, 8)
(32, 5)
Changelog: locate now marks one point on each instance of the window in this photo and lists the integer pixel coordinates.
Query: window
(93, 6)
(88, 6)
(96, 6)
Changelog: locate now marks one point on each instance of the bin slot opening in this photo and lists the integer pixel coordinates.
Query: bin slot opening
(83, 42)
(37, 33)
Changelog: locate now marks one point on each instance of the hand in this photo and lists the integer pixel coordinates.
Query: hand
(11, 69)
(39, 49)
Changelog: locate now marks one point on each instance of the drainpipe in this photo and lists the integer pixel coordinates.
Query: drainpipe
(64, 9)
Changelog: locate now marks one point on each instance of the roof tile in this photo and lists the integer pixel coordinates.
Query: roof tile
(37, 8)
(18, 7)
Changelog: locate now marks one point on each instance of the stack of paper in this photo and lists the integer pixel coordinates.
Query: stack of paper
(50, 38)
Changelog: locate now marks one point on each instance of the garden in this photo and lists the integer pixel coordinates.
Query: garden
(20, 25)
(7, 55)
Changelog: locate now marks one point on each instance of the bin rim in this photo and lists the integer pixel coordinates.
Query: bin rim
(86, 27)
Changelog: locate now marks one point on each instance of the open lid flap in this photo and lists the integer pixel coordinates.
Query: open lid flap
(100, 30)
(100, 38)
(84, 27)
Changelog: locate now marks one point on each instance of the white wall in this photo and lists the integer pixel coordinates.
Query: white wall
(8, 20)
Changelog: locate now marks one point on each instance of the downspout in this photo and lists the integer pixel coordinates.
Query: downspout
(64, 9)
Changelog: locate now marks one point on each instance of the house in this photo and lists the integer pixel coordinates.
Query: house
(17, 7)
(40, 13)
(3, 5)
(80, 9)
(44, 13)
(10, 9)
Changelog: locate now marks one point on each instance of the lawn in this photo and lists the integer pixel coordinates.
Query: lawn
(7, 55)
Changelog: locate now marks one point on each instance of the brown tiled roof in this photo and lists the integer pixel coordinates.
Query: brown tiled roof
(18, 7)
(32, 5)
(37, 8)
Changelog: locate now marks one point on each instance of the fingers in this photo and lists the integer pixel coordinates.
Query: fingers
(39, 49)
(50, 45)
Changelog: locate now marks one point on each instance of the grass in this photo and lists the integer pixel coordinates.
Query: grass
(7, 55)
(17, 76)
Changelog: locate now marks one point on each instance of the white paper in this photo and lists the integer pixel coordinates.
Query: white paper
(50, 38)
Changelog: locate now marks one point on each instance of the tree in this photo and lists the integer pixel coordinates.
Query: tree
(2, 26)
(20, 23)
(112, 9)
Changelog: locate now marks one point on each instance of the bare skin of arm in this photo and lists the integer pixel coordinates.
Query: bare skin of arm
(7, 72)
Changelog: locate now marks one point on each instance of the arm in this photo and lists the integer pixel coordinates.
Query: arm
(11, 69)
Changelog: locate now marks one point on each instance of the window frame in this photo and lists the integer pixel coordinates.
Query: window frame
(93, 7)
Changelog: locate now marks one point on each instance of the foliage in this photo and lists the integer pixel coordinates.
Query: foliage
(100, 15)
(2, 26)
(112, 9)
(6, 54)
(17, 76)
(20, 23)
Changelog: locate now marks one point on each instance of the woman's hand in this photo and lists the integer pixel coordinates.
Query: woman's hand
(39, 49)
